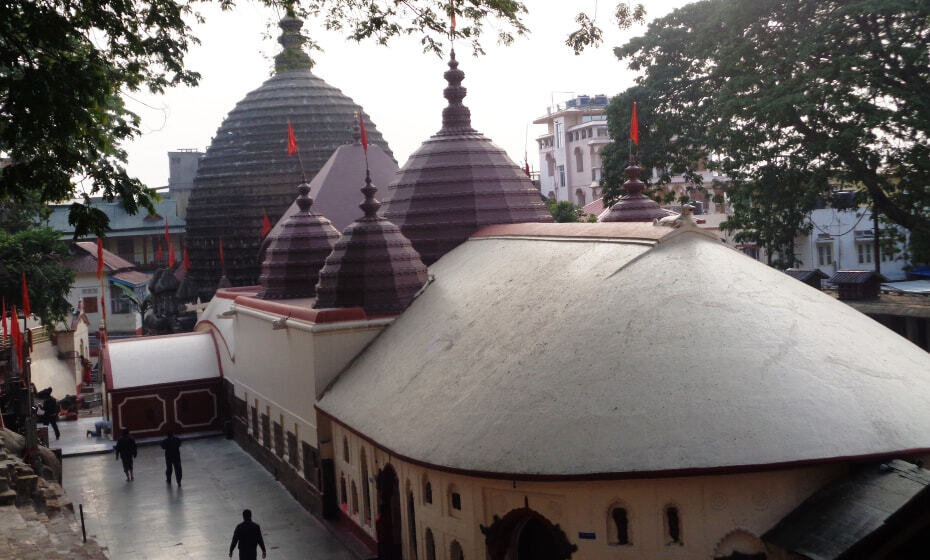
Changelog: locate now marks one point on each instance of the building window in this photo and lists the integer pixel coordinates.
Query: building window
(558, 135)
(456, 552)
(343, 499)
(120, 303)
(89, 304)
(427, 491)
(455, 498)
(561, 175)
(579, 160)
(824, 254)
(345, 449)
(618, 526)
(354, 499)
(865, 252)
(672, 525)
(430, 545)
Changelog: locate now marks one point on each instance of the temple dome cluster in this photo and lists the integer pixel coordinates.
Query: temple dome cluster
(247, 174)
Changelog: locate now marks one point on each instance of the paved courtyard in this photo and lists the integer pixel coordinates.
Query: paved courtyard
(147, 519)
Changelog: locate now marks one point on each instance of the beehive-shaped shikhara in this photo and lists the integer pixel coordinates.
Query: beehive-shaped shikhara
(457, 182)
(247, 173)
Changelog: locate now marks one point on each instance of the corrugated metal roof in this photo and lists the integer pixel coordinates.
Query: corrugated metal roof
(855, 276)
(121, 222)
(131, 277)
(840, 515)
(111, 261)
(805, 275)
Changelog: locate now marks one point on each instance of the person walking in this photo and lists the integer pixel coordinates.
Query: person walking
(48, 410)
(126, 450)
(248, 536)
(172, 447)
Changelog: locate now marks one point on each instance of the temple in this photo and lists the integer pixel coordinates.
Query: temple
(630, 388)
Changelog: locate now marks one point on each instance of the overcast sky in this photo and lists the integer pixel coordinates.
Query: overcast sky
(399, 86)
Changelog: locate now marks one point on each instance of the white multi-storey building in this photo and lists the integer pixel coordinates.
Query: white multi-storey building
(844, 240)
(570, 152)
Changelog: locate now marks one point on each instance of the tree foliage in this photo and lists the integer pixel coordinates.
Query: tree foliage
(565, 211)
(40, 254)
(790, 98)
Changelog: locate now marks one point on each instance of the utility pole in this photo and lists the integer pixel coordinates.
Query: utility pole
(876, 239)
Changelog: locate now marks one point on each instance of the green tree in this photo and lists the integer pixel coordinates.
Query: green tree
(40, 254)
(789, 98)
(565, 211)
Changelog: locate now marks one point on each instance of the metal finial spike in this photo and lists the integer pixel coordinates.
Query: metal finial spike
(371, 205)
(304, 202)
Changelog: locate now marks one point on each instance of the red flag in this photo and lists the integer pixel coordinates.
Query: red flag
(453, 17)
(187, 261)
(3, 318)
(266, 225)
(27, 311)
(222, 256)
(168, 245)
(99, 258)
(291, 139)
(361, 122)
(634, 126)
(17, 337)
(159, 253)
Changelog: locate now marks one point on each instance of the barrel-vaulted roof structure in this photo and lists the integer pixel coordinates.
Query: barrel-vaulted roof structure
(652, 350)
(247, 173)
(457, 182)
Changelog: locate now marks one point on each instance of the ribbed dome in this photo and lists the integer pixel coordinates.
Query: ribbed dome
(296, 252)
(246, 172)
(634, 206)
(373, 266)
(457, 182)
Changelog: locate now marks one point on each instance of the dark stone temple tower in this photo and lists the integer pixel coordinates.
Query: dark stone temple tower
(247, 173)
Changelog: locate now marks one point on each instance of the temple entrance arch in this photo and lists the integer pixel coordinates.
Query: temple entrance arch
(388, 525)
(524, 534)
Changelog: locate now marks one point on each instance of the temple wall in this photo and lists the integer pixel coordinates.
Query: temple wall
(716, 512)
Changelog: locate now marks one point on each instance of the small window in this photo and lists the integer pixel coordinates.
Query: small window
(354, 499)
(90, 304)
(456, 552)
(824, 255)
(619, 526)
(456, 501)
(672, 525)
(430, 545)
(865, 252)
(343, 495)
(345, 449)
(561, 175)
(579, 160)
(427, 491)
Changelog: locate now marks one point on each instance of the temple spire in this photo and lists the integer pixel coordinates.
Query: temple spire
(292, 55)
(455, 116)
(371, 205)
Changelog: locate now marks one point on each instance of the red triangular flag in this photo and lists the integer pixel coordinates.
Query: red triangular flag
(361, 122)
(159, 254)
(634, 126)
(222, 256)
(291, 139)
(453, 18)
(17, 337)
(99, 258)
(27, 310)
(266, 225)
(3, 319)
(187, 261)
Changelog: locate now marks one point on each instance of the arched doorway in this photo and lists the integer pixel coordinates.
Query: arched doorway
(524, 534)
(388, 525)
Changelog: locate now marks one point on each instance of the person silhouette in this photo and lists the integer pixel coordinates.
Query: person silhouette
(248, 535)
(172, 446)
(126, 450)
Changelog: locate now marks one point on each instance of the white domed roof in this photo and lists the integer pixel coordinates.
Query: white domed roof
(591, 349)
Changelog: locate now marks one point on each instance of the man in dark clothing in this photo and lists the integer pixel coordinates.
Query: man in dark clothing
(172, 447)
(126, 450)
(248, 535)
(50, 409)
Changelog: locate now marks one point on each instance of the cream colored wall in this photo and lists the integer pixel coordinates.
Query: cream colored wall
(714, 510)
(282, 372)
